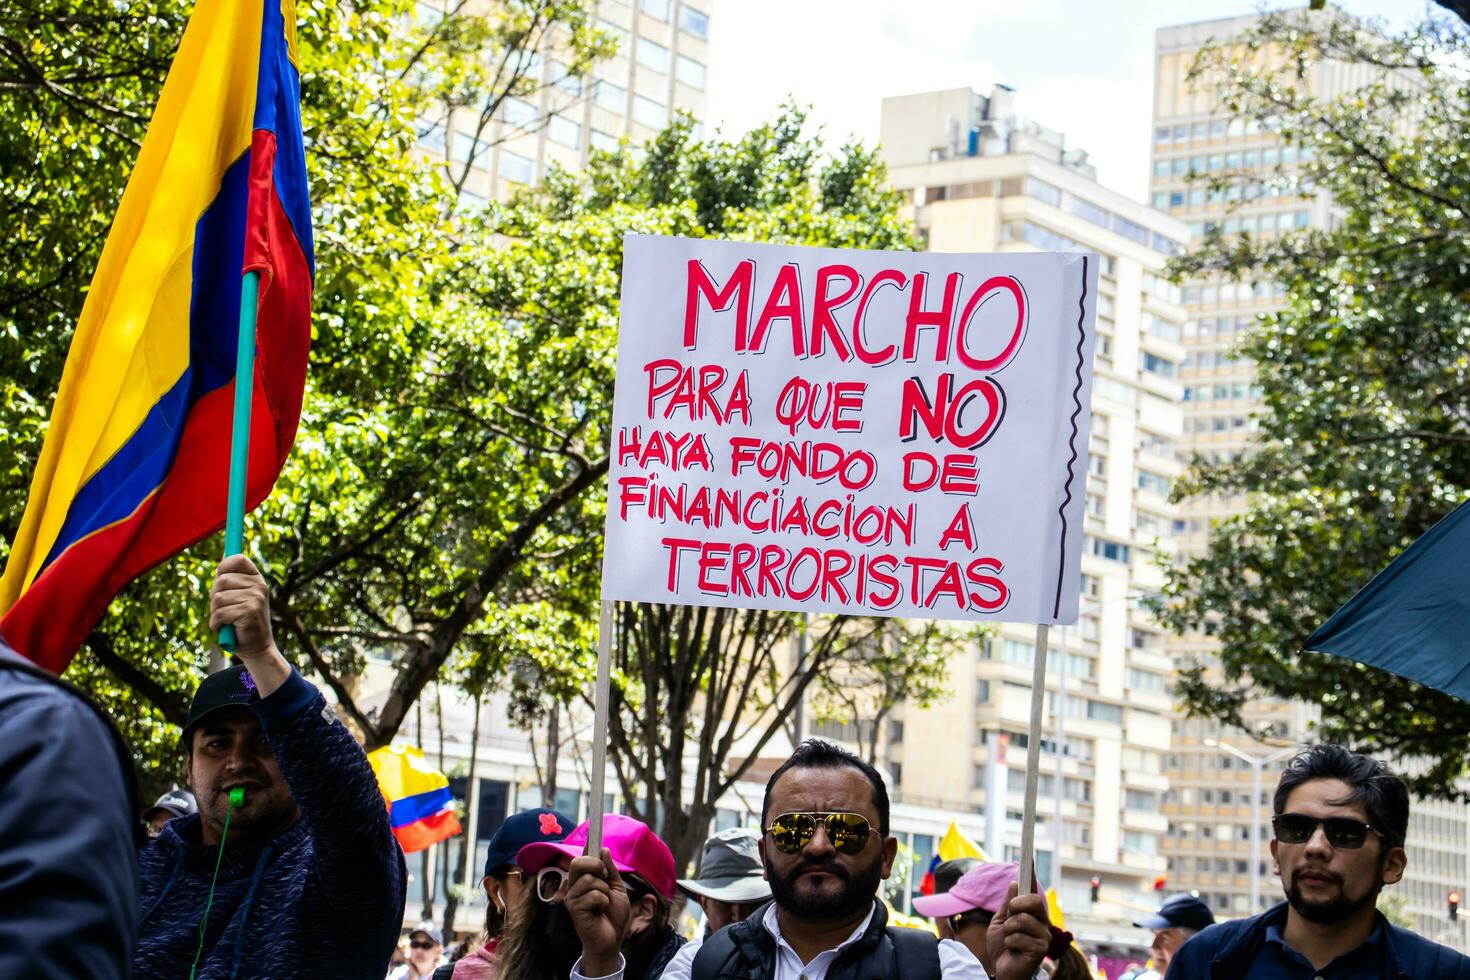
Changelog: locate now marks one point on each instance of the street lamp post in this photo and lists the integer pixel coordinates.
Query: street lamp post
(1257, 763)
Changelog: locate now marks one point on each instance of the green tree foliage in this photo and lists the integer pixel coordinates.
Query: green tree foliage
(1365, 432)
(397, 313)
(443, 502)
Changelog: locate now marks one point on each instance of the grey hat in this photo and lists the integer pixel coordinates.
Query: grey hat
(178, 802)
(430, 930)
(730, 869)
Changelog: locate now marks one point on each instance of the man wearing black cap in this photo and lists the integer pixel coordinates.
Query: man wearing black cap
(290, 866)
(1180, 917)
(174, 803)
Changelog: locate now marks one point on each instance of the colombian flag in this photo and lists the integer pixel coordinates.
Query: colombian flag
(135, 464)
(420, 807)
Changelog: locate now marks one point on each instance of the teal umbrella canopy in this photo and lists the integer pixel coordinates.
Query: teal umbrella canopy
(1413, 618)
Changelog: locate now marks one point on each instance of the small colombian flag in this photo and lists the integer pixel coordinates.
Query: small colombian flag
(136, 460)
(420, 806)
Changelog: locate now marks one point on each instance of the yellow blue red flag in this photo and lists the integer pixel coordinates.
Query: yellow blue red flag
(135, 464)
(420, 806)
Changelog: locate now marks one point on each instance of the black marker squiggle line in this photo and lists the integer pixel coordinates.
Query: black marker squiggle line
(1072, 441)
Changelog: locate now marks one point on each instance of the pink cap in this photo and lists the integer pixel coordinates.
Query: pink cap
(635, 848)
(983, 887)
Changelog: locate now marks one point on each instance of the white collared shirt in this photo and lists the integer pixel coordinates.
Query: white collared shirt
(955, 961)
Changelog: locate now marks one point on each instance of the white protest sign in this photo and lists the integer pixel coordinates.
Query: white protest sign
(836, 430)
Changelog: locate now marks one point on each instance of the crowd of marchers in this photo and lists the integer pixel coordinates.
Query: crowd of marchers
(280, 862)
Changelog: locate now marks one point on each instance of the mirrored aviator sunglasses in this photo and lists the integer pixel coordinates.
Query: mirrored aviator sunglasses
(847, 832)
(1343, 832)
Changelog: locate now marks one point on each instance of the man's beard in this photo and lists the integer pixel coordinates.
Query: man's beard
(856, 894)
(1331, 911)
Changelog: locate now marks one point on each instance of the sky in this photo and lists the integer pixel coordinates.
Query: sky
(1080, 66)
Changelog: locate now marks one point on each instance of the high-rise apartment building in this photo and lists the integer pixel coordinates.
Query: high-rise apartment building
(660, 68)
(977, 177)
(1209, 804)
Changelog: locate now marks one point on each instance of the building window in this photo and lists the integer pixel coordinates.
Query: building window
(1044, 192)
(1153, 364)
(1098, 711)
(613, 98)
(564, 131)
(1137, 799)
(606, 142)
(517, 112)
(1146, 680)
(1129, 229)
(690, 72)
(1088, 211)
(649, 112)
(658, 9)
(1111, 550)
(562, 78)
(653, 55)
(430, 134)
(694, 22)
(468, 148)
(517, 168)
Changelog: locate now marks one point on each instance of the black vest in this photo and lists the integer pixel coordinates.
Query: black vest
(747, 951)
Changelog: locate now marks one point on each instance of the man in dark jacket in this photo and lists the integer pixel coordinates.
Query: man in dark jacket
(299, 874)
(68, 836)
(1340, 824)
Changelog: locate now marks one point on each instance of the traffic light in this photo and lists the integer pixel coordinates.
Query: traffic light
(1454, 906)
(1096, 884)
(1161, 882)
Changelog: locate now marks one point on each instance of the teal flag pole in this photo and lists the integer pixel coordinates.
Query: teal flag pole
(240, 434)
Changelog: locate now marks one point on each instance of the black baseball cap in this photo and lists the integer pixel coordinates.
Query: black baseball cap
(537, 826)
(1179, 912)
(949, 872)
(228, 688)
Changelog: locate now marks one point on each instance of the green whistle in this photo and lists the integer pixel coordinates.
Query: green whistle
(237, 796)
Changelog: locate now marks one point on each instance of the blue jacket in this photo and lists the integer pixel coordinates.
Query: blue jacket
(325, 898)
(68, 822)
(1226, 949)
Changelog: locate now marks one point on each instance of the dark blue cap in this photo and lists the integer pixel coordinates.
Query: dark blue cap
(1179, 912)
(528, 827)
(228, 688)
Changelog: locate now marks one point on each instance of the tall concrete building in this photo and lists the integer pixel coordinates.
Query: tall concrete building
(978, 177)
(660, 67)
(1211, 806)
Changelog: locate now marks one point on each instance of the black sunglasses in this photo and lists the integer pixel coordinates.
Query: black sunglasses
(847, 832)
(421, 943)
(1344, 832)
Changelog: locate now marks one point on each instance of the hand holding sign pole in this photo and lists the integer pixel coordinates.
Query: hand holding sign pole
(857, 432)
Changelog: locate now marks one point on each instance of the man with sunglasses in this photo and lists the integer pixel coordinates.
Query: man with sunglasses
(425, 953)
(826, 849)
(1340, 822)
